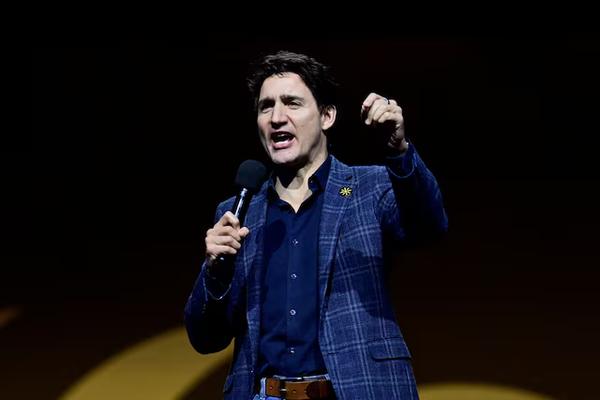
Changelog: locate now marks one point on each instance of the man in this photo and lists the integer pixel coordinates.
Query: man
(307, 304)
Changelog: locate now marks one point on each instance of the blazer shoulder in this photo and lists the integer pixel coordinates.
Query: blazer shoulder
(359, 171)
(225, 205)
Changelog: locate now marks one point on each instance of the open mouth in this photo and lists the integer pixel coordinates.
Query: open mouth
(281, 139)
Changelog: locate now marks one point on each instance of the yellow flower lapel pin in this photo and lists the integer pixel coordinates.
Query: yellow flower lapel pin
(346, 191)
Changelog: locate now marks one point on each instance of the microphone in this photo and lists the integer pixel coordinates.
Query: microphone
(250, 176)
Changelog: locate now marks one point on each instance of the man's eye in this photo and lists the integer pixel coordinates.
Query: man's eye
(294, 104)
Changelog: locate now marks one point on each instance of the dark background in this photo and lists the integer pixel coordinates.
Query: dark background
(132, 143)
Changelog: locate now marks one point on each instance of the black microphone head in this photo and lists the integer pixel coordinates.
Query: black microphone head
(251, 175)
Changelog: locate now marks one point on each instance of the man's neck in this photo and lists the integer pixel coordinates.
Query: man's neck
(292, 185)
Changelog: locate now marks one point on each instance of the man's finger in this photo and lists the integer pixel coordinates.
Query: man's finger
(379, 106)
(368, 102)
(218, 250)
(244, 232)
(229, 219)
(230, 231)
(381, 111)
(226, 241)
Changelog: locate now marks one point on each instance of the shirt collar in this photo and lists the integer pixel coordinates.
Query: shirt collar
(319, 179)
(316, 182)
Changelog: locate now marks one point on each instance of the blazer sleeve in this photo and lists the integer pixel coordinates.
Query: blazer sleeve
(207, 315)
(409, 202)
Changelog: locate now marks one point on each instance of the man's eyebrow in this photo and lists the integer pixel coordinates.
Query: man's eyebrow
(265, 100)
(286, 98)
(290, 97)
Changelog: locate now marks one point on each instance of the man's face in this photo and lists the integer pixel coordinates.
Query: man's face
(289, 121)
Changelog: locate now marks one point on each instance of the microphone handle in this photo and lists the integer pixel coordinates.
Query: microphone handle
(240, 207)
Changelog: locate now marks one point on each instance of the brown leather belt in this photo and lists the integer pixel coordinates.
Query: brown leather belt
(300, 389)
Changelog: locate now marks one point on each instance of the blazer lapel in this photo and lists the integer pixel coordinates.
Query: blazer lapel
(338, 194)
(252, 261)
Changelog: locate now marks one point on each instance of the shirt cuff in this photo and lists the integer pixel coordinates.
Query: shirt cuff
(216, 287)
(402, 165)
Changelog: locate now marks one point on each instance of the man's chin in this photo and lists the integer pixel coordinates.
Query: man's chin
(284, 160)
(285, 164)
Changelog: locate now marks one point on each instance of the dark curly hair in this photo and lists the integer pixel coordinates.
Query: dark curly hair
(316, 76)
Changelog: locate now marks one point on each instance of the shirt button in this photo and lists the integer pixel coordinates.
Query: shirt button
(293, 276)
(292, 312)
(295, 242)
(292, 350)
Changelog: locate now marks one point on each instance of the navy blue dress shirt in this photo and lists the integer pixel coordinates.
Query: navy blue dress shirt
(290, 308)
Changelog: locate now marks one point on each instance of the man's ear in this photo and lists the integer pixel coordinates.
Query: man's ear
(328, 117)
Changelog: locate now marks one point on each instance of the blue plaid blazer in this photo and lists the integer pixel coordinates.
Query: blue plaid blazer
(362, 346)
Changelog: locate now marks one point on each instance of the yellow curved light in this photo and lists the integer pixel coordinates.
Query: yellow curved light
(162, 367)
(475, 391)
(166, 367)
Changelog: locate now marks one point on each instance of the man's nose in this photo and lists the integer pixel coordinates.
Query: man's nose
(278, 116)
